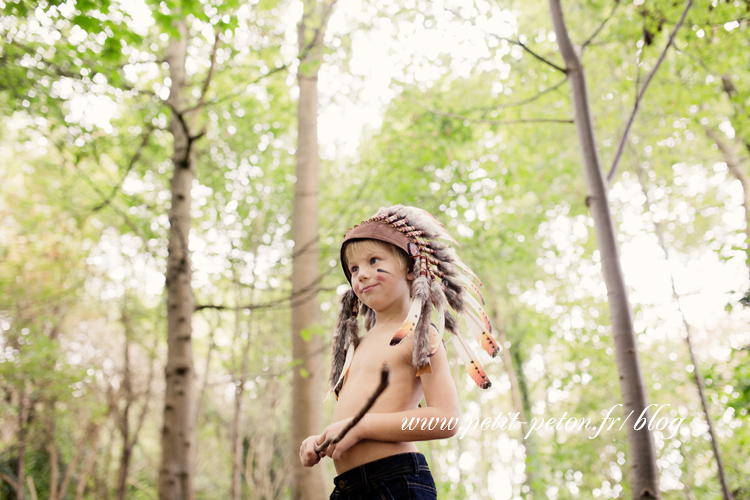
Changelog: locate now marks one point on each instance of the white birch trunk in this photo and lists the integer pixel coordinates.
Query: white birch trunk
(178, 432)
(309, 377)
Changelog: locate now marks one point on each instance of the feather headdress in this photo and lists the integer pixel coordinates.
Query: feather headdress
(441, 281)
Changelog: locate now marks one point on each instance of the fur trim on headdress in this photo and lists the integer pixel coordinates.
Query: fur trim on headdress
(441, 280)
(369, 316)
(345, 336)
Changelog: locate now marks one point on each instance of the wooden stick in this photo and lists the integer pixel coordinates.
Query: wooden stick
(384, 375)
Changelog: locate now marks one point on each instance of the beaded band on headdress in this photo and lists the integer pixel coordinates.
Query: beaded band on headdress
(441, 280)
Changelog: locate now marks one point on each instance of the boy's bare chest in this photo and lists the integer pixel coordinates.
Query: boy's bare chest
(374, 350)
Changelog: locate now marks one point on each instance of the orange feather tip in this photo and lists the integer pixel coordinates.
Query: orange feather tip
(402, 332)
(478, 375)
(489, 344)
(424, 369)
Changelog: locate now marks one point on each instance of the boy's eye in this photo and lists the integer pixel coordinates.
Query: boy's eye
(354, 269)
(373, 260)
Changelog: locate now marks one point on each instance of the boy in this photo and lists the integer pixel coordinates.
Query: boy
(388, 260)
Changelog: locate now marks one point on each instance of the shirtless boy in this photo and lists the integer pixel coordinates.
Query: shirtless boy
(377, 458)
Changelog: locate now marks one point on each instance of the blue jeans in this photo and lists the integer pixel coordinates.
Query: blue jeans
(399, 477)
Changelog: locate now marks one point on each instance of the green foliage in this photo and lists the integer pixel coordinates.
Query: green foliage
(85, 193)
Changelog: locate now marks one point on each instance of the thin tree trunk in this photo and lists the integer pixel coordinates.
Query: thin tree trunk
(23, 418)
(32, 488)
(519, 395)
(697, 377)
(738, 171)
(89, 465)
(83, 441)
(644, 472)
(178, 432)
(236, 433)
(530, 442)
(307, 385)
(127, 388)
(206, 370)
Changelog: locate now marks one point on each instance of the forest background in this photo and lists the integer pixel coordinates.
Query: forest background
(462, 108)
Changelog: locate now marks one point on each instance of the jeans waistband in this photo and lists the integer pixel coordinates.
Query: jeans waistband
(395, 465)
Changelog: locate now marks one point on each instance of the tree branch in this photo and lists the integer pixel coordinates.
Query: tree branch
(267, 305)
(384, 376)
(493, 122)
(534, 54)
(211, 70)
(511, 41)
(639, 98)
(520, 102)
(9, 480)
(136, 156)
(590, 39)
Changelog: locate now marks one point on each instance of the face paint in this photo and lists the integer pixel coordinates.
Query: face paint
(379, 277)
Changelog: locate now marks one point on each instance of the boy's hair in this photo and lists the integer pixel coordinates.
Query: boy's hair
(364, 246)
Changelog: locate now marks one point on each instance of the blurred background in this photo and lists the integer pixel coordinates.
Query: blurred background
(176, 177)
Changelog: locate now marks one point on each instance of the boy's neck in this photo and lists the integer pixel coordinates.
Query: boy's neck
(393, 316)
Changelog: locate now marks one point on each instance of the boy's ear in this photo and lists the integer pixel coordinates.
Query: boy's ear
(410, 276)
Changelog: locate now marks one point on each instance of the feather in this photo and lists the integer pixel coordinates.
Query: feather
(448, 254)
(426, 368)
(470, 285)
(434, 225)
(450, 323)
(346, 332)
(421, 351)
(340, 382)
(485, 337)
(453, 294)
(466, 268)
(369, 316)
(480, 312)
(435, 341)
(410, 323)
(489, 344)
(441, 303)
(423, 219)
(473, 366)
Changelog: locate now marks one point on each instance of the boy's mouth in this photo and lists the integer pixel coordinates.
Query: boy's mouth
(368, 288)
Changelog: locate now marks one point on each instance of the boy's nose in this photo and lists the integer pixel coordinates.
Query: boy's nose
(363, 274)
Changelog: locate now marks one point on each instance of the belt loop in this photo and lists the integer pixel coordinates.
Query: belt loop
(363, 469)
(416, 464)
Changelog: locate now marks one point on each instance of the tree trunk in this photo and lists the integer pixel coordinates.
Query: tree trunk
(696, 370)
(239, 390)
(734, 164)
(521, 403)
(23, 418)
(178, 432)
(644, 472)
(89, 465)
(127, 387)
(83, 441)
(307, 385)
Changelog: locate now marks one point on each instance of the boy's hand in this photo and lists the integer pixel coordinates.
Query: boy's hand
(352, 437)
(307, 454)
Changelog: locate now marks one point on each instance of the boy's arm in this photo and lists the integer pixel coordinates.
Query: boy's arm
(441, 400)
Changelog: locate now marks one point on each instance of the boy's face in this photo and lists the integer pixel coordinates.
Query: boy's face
(377, 277)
